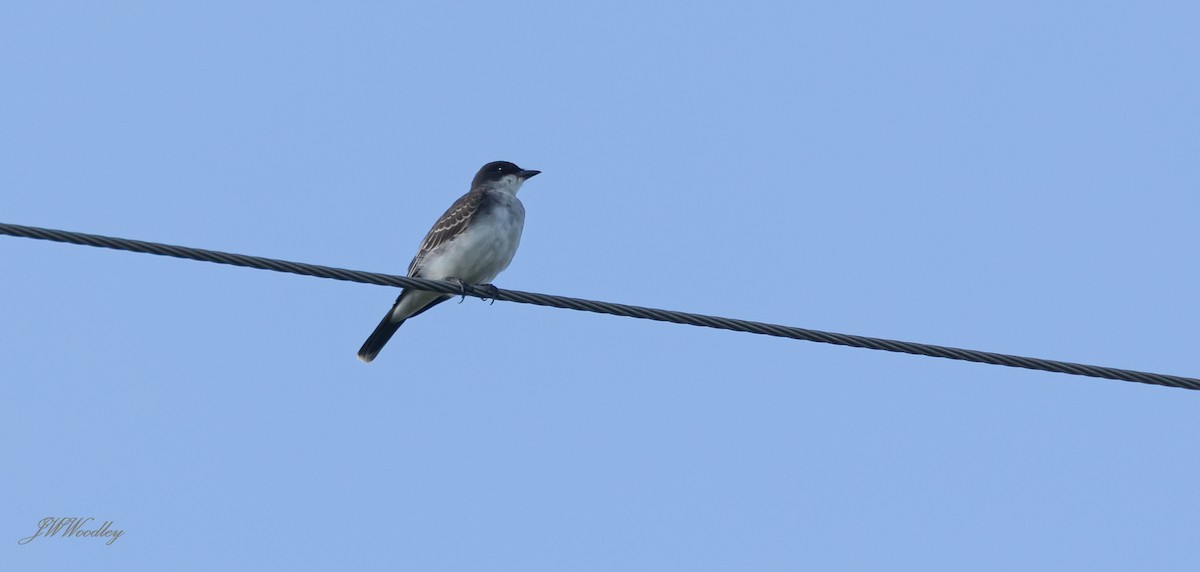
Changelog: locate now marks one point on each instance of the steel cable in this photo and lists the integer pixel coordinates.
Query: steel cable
(600, 307)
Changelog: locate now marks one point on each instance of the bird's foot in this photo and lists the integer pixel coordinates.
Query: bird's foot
(492, 293)
(462, 288)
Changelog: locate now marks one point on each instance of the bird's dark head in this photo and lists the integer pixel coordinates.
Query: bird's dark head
(502, 175)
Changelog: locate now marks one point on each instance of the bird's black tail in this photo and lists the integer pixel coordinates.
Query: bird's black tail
(379, 338)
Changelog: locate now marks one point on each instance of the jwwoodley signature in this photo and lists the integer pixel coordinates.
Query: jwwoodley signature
(70, 527)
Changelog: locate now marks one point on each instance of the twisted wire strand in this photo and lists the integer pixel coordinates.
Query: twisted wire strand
(600, 307)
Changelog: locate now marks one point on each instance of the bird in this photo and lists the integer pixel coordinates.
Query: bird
(472, 243)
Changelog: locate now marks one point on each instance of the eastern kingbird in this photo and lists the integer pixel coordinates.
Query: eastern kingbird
(472, 243)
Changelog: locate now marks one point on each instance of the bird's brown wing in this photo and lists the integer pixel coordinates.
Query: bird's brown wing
(456, 219)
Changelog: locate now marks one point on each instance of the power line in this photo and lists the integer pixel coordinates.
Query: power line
(598, 307)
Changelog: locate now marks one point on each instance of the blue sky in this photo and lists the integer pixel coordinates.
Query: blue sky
(1013, 176)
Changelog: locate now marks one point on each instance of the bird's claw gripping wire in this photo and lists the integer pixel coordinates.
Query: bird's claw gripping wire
(492, 293)
(462, 288)
(490, 290)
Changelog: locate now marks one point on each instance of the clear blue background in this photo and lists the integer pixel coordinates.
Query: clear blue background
(1011, 176)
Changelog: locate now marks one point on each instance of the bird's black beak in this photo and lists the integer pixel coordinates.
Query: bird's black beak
(528, 174)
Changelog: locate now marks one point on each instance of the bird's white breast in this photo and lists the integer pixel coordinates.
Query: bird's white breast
(485, 248)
